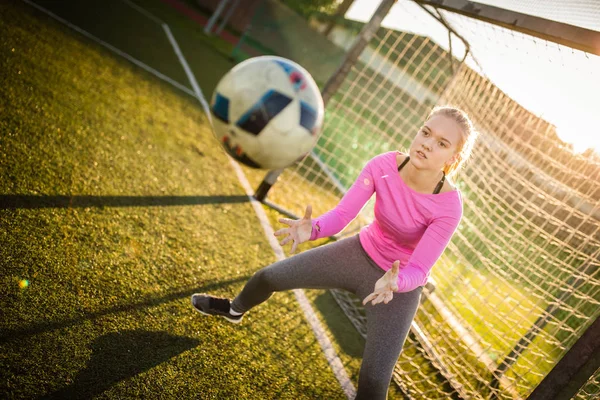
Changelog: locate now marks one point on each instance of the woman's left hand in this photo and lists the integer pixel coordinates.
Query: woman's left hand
(385, 286)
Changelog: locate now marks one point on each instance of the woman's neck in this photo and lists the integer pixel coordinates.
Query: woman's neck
(421, 180)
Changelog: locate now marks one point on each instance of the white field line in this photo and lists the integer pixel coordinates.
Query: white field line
(330, 353)
(147, 13)
(188, 71)
(178, 52)
(113, 49)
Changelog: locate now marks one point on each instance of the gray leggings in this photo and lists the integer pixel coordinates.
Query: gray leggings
(344, 265)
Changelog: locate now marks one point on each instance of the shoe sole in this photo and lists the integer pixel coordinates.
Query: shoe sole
(233, 321)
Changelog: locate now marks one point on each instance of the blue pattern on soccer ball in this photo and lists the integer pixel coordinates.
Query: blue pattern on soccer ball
(221, 108)
(264, 110)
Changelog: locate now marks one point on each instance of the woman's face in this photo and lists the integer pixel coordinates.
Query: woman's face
(436, 143)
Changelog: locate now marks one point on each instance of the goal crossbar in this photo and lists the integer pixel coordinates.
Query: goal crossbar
(568, 35)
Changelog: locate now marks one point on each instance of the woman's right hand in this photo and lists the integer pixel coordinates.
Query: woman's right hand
(299, 230)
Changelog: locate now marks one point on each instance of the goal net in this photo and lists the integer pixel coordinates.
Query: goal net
(520, 281)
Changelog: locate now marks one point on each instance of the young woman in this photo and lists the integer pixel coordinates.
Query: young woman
(417, 210)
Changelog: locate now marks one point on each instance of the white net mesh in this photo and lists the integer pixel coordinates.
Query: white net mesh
(591, 390)
(520, 281)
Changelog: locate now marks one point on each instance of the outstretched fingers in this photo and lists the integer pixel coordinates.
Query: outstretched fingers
(286, 221)
(285, 241)
(396, 267)
(379, 297)
(369, 298)
(281, 231)
(308, 212)
(388, 297)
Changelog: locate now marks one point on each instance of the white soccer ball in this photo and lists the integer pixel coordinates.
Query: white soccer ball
(267, 112)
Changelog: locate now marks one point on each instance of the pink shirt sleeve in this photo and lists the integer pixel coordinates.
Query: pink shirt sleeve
(428, 251)
(335, 220)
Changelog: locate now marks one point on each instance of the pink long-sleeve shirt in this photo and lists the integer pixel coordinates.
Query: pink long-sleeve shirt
(409, 226)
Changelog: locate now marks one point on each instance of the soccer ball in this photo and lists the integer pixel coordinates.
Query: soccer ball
(267, 112)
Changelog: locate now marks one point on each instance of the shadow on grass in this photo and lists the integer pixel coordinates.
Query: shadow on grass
(302, 345)
(29, 201)
(339, 325)
(118, 356)
(45, 326)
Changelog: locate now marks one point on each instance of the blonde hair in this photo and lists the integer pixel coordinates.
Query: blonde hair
(469, 135)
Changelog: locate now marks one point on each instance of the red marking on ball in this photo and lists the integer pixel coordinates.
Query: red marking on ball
(297, 79)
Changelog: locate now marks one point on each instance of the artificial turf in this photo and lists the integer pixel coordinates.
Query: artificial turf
(116, 205)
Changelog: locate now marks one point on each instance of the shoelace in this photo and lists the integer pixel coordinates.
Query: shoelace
(219, 304)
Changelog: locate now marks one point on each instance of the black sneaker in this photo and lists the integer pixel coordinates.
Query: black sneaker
(209, 305)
